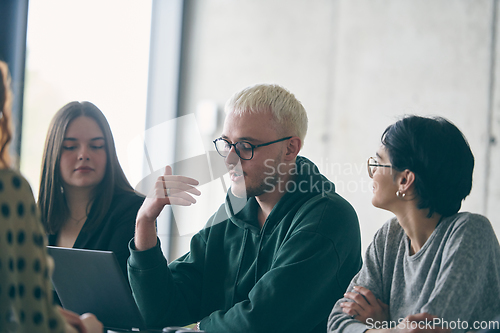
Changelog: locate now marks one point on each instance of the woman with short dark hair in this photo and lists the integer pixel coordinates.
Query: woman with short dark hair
(428, 264)
(84, 198)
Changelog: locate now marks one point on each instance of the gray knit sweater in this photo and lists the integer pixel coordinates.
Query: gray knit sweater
(455, 275)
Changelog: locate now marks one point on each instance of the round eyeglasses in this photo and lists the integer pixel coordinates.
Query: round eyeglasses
(242, 148)
(373, 163)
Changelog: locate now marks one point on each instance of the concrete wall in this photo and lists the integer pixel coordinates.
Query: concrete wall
(357, 65)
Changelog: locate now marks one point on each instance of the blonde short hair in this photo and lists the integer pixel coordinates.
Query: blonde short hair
(288, 112)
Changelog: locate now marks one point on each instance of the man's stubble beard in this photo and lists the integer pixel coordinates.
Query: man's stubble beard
(268, 182)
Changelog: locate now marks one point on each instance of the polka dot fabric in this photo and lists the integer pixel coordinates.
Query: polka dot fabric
(25, 291)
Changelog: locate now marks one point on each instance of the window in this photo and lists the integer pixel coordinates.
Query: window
(85, 50)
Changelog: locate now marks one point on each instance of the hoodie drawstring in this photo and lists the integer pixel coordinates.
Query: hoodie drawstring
(258, 253)
(240, 259)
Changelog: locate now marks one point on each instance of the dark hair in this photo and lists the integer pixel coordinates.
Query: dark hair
(5, 112)
(438, 154)
(51, 201)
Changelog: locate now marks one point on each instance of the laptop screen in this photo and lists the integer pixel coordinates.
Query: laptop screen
(92, 281)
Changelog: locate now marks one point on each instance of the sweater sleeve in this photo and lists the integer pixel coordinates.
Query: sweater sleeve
(371, 277)
(470, 254)
(304, 281)
(160, 299)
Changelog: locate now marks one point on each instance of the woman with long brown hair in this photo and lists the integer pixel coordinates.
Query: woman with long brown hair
(85, 199)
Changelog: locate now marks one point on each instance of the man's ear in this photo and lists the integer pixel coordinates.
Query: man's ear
(293, 148)
(405, 180)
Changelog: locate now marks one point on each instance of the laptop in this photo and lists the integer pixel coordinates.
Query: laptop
(92, 281)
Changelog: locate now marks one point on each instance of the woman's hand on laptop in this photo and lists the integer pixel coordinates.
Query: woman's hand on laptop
(91, 323)
(86, 323)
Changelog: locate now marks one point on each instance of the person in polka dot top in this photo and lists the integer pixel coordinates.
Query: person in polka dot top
(26, 303)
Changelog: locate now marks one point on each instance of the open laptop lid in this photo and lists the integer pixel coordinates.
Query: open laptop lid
(92, 281)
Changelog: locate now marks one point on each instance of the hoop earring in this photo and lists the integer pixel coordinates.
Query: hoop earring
(400, 194)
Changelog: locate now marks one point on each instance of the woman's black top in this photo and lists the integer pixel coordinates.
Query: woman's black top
(115, 231)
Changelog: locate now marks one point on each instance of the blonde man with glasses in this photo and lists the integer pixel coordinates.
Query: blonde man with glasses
(275, 256)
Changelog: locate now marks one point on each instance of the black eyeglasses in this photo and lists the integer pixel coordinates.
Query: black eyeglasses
(372, 164)
(242, 148)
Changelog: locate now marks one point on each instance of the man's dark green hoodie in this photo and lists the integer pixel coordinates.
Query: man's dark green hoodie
(238, 277)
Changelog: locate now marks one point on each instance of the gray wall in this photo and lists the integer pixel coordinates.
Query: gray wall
(357, 65)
